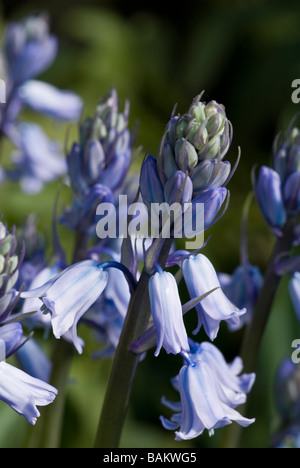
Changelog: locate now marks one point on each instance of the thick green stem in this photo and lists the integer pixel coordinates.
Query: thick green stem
(125, 364)
(255, 331)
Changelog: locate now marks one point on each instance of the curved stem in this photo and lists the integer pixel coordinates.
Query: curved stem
(261, 313)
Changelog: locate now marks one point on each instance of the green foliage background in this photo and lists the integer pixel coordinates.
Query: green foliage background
(244, 54)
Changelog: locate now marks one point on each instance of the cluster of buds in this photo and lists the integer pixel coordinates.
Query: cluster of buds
(277, 189)
(99, 163)
(9, 271)
(189, 167)
(195, 143)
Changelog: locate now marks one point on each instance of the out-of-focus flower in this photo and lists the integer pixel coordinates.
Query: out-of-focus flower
(107, 315)
(210, 390)
(242, 288)
(287, 391)
(38, 159)
(166, 311)
(201, 277)
(33, 360)
(47, 99)
(28, 48)
(98, 165)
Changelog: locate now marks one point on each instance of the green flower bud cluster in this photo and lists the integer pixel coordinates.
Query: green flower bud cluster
(9, 270)
(195, 143)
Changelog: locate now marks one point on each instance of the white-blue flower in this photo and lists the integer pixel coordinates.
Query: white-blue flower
(201, 277)
(167, 314)
(69, 295)
(24, 393)
(210, 390)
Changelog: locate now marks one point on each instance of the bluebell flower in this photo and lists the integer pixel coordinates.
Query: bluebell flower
(294, 288)
(269, 195)
(201, 277)
(242, 289)
(208, 204)
(29, 49)
(69, 295)
(38, 160)
(210, 390)
(167, 314)
(151, 187)
(33, 304)
(24, 393)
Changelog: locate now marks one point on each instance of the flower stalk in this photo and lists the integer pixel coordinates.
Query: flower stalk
(255, 331)
(125, 363)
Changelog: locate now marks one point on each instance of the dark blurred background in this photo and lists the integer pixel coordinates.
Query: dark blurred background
(245, 55)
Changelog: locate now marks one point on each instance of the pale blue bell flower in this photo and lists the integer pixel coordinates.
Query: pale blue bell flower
(69, 295)
(167, 314)
(210, 390)
(24, 393)
(201, 277)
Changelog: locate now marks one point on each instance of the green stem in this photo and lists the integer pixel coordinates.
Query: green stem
(255, 331)
(53, 414)
(125, 364)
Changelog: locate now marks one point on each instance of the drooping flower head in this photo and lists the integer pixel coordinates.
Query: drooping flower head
(69, 295)
(201, 277)
(210, 390)
(166, 311)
